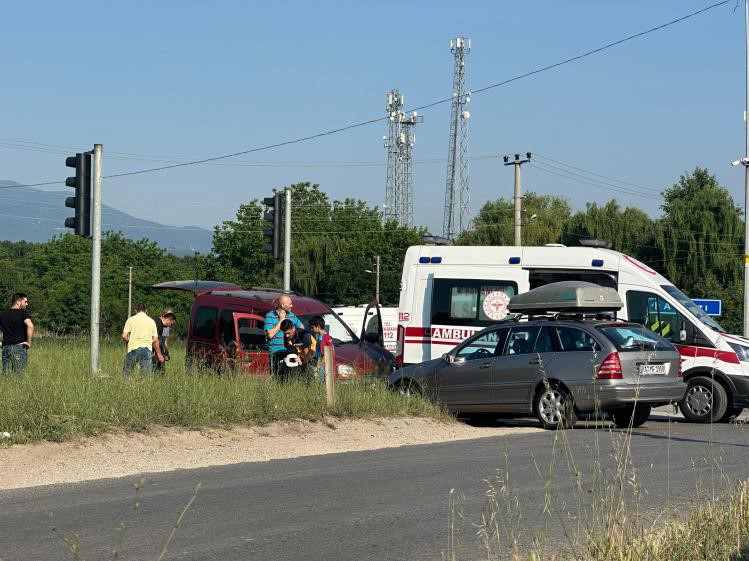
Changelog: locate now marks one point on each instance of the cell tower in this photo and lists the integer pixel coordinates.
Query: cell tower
(457, 193)
(399, 144)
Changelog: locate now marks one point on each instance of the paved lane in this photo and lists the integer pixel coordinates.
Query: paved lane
(383, 505)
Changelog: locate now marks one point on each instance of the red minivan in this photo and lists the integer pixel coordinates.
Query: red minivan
(226, 330)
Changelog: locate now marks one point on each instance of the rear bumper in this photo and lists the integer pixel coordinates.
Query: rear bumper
(610, 396)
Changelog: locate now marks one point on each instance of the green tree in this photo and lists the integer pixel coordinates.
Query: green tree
(700, 238)
(495, 223)
(631, 230)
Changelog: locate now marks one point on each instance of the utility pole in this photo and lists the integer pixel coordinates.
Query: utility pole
(130, 293)
(287, 244)
(377, 278)
(376, 273)
(745, 162)
(517, 162)
(96, 262)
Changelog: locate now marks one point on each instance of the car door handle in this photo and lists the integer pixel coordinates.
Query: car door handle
(486, 365)
(536, 361)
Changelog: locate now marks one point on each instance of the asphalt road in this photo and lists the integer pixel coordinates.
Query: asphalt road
(392, 504)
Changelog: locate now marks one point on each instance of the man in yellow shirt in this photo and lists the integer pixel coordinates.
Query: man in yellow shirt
(141, 336)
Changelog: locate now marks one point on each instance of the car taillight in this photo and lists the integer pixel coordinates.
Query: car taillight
(610, 369)
(680, 371)
(399, 346)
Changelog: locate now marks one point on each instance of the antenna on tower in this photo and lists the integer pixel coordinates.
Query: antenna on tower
(399, 144)
(457, 193)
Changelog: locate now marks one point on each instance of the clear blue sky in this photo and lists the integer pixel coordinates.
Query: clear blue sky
(196, 79)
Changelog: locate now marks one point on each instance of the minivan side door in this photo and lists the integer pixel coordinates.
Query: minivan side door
(251, 345)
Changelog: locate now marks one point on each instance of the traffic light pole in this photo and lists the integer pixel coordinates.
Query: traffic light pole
(96, 262)
(287, 243)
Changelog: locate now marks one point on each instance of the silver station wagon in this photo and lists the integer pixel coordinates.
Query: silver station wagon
(559, 363)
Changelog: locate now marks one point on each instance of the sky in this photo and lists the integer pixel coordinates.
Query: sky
(158, 81)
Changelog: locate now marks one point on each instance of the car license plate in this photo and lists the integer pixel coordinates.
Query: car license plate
(652, 369)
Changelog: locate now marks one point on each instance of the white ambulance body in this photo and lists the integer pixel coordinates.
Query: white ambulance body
(353, 316)
(450, 292)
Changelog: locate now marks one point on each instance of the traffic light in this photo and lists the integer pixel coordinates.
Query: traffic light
(81, 202)
(272, 217)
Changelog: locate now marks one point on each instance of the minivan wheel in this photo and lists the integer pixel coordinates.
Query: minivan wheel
(554, 408)
(706, 400)
(637, 414)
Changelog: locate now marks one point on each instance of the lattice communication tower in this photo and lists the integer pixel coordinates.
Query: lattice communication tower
(457, 194)
(399, 144)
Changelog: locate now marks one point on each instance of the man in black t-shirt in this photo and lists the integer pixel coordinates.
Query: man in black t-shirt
(165, 321)
(18, 331)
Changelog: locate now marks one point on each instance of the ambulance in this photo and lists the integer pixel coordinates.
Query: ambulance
(448, 293)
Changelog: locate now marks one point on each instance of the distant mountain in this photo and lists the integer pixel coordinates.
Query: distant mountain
(36, 216)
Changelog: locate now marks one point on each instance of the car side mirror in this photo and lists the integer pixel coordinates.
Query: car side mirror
(682, 333)
(448, 358)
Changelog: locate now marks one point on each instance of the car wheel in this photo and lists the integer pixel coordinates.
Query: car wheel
(705, 401)
(731, 413)
(554, 407)
(407, 388)
(636, 414)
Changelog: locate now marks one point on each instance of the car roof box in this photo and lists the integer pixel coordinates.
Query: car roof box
(567, 296)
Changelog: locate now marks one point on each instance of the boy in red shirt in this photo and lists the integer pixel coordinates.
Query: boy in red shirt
(317, 326)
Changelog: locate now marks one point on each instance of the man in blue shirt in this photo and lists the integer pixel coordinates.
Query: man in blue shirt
(273, 331)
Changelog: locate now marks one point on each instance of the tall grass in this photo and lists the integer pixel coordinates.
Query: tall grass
(56, 399)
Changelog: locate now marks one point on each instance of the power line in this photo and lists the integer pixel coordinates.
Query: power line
(582, 179)
(421, 108)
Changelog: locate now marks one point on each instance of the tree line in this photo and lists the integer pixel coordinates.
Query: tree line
(697, 243)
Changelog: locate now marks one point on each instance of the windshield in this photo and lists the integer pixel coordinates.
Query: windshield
(693, 308)
(338, 330)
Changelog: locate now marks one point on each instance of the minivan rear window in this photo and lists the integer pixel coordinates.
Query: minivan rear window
(632, 338)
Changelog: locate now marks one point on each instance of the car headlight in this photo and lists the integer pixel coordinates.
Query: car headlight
(346, 371)
(741, 351)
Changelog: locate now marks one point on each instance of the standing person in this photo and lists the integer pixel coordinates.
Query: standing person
(163, 323)
(18, 330)
(164, 337)
(273, 333)
(317, 326)
(141, 336)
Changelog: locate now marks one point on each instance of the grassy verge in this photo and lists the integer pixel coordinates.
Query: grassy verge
(55, 399)
(717, 532)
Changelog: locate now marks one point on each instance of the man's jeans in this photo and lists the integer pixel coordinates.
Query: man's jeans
(14, 359)
(138, 357)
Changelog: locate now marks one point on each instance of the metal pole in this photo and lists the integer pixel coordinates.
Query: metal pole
(746, 179)
(518, 207)
(96, 262)
(287, 244)
(377, 278)
(130, 293)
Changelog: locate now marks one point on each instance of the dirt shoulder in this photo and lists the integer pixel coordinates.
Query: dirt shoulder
(166, 449)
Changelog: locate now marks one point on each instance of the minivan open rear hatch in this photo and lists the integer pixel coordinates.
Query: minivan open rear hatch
(196, 286)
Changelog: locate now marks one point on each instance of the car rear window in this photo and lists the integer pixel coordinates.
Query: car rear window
(635, 338)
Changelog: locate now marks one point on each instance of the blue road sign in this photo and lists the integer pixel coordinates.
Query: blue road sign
(711, 307)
